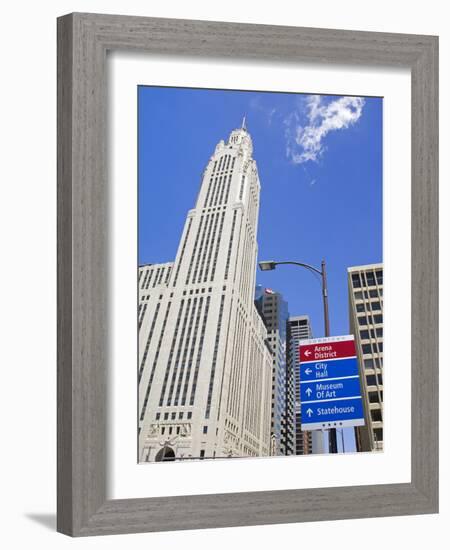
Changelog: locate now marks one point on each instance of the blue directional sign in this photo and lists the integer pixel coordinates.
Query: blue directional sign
(333, 412)
(336, 368)
(330, 391)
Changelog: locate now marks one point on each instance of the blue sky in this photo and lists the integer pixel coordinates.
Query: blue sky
(320, 165)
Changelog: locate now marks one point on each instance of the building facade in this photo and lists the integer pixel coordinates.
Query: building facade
(299, 328)
(204, 366)
(274, 311)
(365, 285)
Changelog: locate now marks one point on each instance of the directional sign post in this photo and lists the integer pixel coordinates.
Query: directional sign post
(330, 392)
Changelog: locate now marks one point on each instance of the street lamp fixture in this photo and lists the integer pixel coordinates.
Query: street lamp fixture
(267, 266)
(271, 265)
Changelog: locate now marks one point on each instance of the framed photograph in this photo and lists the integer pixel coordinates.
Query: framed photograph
(247, 274)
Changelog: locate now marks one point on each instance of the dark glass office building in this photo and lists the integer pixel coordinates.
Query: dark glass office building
(274, 312)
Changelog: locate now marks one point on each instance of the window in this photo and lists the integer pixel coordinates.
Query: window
(376, 415)
(359, 308)
(166, 416)
(163, 429)
(364, 334)
(371, 380)
(180, 416)
(376, 306)
(358, 295)
(362, 321)
(189, 414)
(356, 281)
(368, 363)
(373, 397)
(174, 415)
(158, 415)
(378, 319)
(370, 279)
(205, 429)
(379, 275)
(367, 348)
(378, 434)
(202, 453)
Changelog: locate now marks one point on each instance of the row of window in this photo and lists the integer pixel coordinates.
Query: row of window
(155, 362)
(374, 306)
(173, 415)
(159, 273)
(183, 248)
(171, 353)
(149, 339)
(372, 333)
(372, 362)
(205, 238)
(373, 293)
(371, 379)
(372, 348)
(230, 245)
(141, 314)
(180, 365)
(367, 278)
(370, 320)
(213, 366)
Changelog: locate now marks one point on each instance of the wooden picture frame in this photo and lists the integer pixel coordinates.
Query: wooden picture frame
(83, 41)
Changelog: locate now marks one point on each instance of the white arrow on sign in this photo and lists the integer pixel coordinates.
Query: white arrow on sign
(309, 412)
(308, 392)
(308, 353)
(308, 371)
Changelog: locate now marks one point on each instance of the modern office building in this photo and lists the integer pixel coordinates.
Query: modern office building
(205, 371)
(299, 328)
(365, 285)
(274, 312)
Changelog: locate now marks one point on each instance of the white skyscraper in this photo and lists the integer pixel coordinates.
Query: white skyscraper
(204, 368)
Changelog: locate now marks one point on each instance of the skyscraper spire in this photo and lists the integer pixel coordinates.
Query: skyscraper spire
(244, 127)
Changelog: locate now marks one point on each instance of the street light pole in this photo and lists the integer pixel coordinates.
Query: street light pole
(326, 316)
(332, 434)
(268, 266)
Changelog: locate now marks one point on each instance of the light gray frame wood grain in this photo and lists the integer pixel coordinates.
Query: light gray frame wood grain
(83, 41)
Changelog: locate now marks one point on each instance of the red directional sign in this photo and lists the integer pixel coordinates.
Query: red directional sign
(327, 349)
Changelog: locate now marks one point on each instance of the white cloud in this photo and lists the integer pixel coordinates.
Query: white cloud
(305, 141)
(257, 104)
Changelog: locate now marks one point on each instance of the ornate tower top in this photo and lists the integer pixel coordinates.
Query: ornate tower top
(241, 136)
